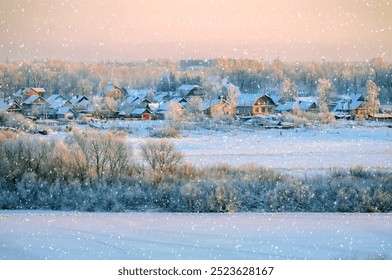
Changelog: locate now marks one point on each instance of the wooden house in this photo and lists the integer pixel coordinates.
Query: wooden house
(353, 105)
(253, 104)
(24, 93)
(216, 107)
(80, 103)
(116, 93)
(12, 107)
(142, 113)
(66, 113)
(35, 106)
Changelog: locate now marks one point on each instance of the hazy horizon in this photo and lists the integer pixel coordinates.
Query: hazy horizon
(136, 30)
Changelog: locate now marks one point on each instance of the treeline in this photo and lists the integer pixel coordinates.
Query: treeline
(71, 78)
(96, 171)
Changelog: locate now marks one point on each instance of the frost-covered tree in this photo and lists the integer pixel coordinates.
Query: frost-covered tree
(233, 93)
(288, 90)
(373, 103)
(193, 110)
(161, 158)
(106, 154)
(324, 93)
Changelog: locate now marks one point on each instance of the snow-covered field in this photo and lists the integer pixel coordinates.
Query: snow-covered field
(69, 235)
(343, 145)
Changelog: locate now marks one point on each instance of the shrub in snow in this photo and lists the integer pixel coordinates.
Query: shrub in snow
(166, 132)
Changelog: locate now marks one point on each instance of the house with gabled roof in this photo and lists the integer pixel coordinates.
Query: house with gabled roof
(142, 113)
(189, 90)
(11, 107)
(217, 106)
(35, 106)
(66, 113)
(353, 105)
(24, 93)
(252, 104)
(80, 103)
(307, 106)
(55, 98)
(116, 93)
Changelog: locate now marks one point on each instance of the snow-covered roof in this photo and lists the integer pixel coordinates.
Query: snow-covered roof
(4, 105)
(209, 103)
(347, 105)
(139, 111)
(178, 100)
(153, 106)
(141, 93)
(32, 99)
(289, 106)
(248, 99)
(78, 99)
(54, 97)
(165, 106)
(311, 99)
(276, 98)
(59, 103)
(39, 90)
(64, 110)
(187, 87)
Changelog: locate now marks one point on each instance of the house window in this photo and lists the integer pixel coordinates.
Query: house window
(263, 110)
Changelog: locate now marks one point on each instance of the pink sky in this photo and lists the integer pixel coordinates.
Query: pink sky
(128, 30)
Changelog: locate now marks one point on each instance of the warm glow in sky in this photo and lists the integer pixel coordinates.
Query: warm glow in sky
(128, 30)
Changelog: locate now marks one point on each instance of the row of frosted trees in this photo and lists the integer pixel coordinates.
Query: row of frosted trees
(98, 171)
(70, 78)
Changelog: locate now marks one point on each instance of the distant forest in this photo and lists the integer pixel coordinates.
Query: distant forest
(91, 78)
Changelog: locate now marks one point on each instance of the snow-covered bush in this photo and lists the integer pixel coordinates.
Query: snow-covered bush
(17, 121)
(166, 132)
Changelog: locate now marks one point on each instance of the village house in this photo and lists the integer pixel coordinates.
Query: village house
(142, 113)
(306, 106)
(189, 90)
(11, 107)
(253, 104)
(353, 105)
(24, 93)
(55, 98)
(80, 104)
(66, 113)
(35, 106)
(215, 107)
(116, 93)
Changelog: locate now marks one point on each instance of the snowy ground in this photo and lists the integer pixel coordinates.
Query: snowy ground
(69, 235)
(296, 150)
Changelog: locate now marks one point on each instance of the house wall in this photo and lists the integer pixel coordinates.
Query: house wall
(263, 110)
(263, 106)
(219, 109)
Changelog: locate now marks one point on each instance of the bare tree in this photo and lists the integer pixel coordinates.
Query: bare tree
(106, 154)
(161, 157)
